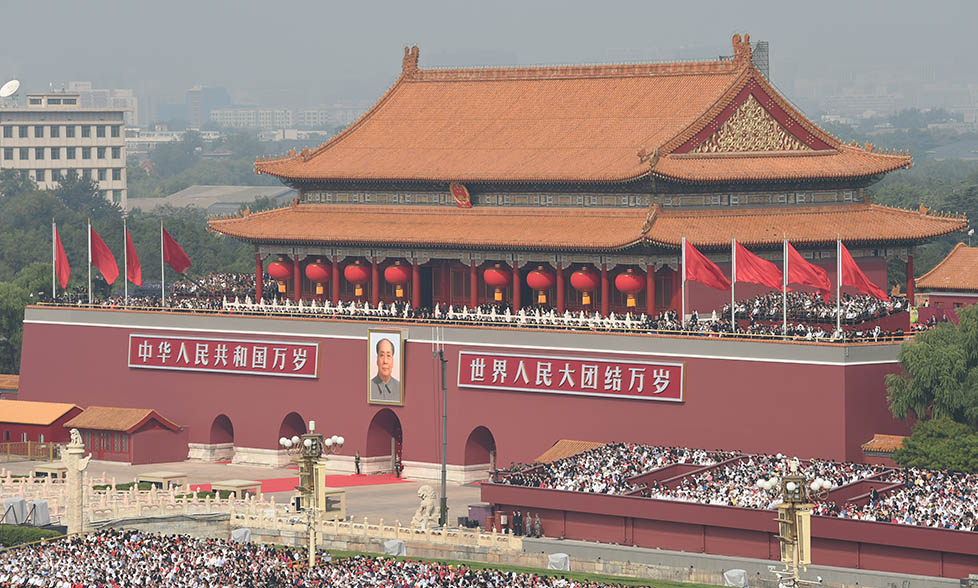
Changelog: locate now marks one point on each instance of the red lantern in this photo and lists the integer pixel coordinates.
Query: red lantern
(318, 273)
(498, 277)
(541, 280)
(398, 275)
(281, 271)
(357, 273)
(630, 283)
(585, 280)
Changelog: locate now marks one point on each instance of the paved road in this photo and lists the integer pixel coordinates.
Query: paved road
(392, 502)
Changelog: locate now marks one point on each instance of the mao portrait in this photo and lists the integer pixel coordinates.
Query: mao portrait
(385, 367)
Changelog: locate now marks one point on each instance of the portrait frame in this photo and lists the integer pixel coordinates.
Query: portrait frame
(379, 392)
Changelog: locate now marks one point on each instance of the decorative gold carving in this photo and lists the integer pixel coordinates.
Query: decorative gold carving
(751, 128)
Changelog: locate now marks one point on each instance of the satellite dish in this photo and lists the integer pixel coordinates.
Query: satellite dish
(9, 88)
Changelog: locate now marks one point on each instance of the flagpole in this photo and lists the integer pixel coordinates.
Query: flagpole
(682, 317)
(784, 289)
(733, 284)
(162, 269)
(89, 260)
(125, 258)
(838, 286)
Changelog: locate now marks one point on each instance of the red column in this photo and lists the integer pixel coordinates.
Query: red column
(446, 282)
(259, 277)
(677, 290)
(650, 290)
(910, 281)
(374, 282)
(517, 285)
(473, 285)
(605, 291)
(296, 279)
(415, 284)
(337, 276)
(560, 288)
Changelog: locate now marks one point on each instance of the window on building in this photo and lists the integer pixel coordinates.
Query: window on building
(23, 437)
(70, 152)
(116, 196)
(56, 153)
(22, 131)
(41, 437)
(34, 101)
(71, 100)
(55, 131)
(101, 174)
(39, 153)
(85, 174)
(8, 153)
(54, 100)
(100, 131)
(116, 152)
(70, 131)
(39, 175)
(117, 173)
(8, 132)
(38, 131)
(86, 131)
(24, 153)
(116, 131)
(100, 151)
(6, 435)
(86, 152)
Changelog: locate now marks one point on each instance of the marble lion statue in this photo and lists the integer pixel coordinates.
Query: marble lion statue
(427, 511)
(76, 438)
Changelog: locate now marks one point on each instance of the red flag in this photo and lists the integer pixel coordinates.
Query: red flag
(173, 254)
(134, 271)
(702, 270)
(756, 270)
(102, 258)
(801, 271)
(853, 276)
(61, 267)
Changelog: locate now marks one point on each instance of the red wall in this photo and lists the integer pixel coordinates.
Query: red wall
(156, 444)
(726, 530)
(752, 406)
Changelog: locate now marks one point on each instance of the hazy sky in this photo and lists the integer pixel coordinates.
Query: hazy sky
(324, 51)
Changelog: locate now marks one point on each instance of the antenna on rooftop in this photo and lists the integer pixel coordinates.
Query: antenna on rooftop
(9, 89)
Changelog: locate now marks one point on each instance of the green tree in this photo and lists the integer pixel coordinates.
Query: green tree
(940, 444)
(941, 373)
(84, 197)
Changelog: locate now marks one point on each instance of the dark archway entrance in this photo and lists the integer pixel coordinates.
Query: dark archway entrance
(480, 455)
(222, 431)
(384, 441)
(293, 424)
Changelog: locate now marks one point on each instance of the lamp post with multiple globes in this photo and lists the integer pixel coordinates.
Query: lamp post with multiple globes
(311, 449)
(794, 521)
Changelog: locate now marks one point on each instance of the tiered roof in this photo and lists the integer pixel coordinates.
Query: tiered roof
(562, 228)
(957, 272)
(711, 121)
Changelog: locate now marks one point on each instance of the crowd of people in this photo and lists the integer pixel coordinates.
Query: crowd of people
(812, 308)
(607, 469)
(130, 559)
(914, 496)
(810, 318)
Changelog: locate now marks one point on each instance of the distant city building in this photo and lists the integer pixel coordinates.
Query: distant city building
(54, 136)
(201, 100)
(314, 118)
(123, 99)
(141, 142)
(243, 117)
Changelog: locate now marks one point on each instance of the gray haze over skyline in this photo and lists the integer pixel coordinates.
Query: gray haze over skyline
(319, 52)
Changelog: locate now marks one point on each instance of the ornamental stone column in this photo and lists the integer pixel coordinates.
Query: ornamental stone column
(76, 464)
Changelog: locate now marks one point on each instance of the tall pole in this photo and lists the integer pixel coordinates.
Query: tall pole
(125, 258)
(443, 517)
(89, 260)
(162, 269)
(733, 284)
(838, 286)
(54, 259)
(682, 317)
(784, 289)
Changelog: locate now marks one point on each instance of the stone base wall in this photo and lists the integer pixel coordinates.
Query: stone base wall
(257, 456)
(210, 452)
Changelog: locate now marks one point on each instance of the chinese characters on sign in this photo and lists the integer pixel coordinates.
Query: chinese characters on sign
(571, 375)
(228, 356)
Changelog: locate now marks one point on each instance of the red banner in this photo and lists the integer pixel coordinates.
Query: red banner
(227, 356)
(571, 375)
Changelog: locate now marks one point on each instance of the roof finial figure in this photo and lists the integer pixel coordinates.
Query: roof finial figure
(409, 65)
(742, 49)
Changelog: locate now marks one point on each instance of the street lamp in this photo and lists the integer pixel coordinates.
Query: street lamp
(794, 520)
(311, 449)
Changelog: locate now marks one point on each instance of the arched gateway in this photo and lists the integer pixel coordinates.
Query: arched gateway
(385, 443)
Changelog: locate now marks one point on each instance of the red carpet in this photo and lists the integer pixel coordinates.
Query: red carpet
(332, 481)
